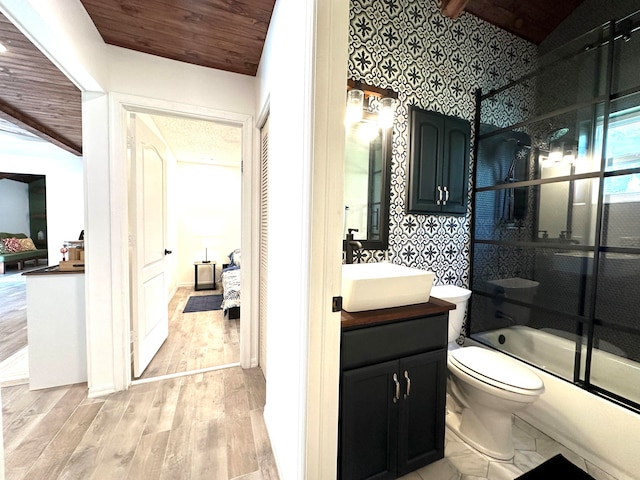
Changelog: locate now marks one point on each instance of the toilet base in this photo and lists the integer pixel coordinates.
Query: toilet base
(496, 442)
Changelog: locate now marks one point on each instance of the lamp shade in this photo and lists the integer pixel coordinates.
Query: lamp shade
(385, 115)
(355, 103)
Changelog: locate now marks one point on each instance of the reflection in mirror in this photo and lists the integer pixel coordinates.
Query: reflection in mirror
(504, 159)
(368, 171)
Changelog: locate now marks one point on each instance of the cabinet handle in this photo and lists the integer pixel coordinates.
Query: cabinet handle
(406, 375)
(439, 195)
(396, 397)
(446, 198)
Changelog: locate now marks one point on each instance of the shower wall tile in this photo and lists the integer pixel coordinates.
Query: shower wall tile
(434, 63)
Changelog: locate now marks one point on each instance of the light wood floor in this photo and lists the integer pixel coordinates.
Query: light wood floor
(204, 426)
(13, 313)
(196, 340)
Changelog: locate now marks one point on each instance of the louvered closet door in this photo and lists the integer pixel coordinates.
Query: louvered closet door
(264, 203)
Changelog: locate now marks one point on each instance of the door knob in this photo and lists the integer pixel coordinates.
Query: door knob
(167, 252)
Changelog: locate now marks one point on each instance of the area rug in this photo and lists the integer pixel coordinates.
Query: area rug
(203, 303)
(556, 467)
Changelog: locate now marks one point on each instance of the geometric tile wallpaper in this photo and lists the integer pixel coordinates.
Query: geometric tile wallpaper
(437, 64)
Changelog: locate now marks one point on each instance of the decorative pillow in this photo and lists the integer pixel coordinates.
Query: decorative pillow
(27, 244)
(12, 245)
(235, 257)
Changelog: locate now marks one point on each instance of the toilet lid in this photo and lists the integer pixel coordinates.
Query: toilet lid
(495, 368)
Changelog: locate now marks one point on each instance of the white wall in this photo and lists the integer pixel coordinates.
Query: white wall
(209, 206)
(65, 194)
(14, 198)
(306, 145)
(285, 57)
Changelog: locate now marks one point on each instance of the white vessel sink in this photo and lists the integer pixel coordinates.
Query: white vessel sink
(369, 286)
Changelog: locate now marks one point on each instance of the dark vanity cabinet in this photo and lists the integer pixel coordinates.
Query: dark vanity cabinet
(392, 390)
(438, 163)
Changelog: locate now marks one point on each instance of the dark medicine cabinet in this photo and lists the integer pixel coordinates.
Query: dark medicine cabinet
(438, 163)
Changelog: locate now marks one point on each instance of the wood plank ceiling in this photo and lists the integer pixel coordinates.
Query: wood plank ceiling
(35, 95)
(223, 34)
(532, 20)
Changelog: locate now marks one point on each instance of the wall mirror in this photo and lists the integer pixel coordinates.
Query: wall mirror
(367, 174)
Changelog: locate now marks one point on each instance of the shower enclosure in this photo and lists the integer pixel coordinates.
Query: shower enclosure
(556, 214)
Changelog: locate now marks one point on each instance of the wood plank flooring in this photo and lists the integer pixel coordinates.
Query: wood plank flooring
(196, 340)
(13, 313)
(204, 426)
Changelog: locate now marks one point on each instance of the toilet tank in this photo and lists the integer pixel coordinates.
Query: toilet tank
(459, 296)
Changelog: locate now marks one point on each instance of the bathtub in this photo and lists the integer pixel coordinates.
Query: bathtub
(599, 430)
(554, 353)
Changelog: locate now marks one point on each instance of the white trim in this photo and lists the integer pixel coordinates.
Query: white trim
(330, 55)
(264, 113)
(101, 390)
(184, 374)
(119, 105)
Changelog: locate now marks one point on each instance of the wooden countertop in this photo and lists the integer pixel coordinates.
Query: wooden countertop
(434, 306)
(52, 270)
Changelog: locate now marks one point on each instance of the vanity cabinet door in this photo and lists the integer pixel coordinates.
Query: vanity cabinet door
(392, 417)
(368, 422)
(422, 410)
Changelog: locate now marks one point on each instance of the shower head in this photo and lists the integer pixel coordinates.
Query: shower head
(557, 134)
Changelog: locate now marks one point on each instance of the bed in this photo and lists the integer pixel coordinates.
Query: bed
(231, 286)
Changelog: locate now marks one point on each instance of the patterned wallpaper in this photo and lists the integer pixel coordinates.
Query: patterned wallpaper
(436, 64)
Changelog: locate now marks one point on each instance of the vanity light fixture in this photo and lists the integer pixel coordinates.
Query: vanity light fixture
(380, 104)
(355, 104)
(385, 115)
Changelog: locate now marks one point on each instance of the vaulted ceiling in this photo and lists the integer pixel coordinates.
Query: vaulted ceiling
(223, 34)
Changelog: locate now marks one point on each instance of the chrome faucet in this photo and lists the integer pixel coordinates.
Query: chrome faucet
(565, 237)
(350, 244)
(508, 318)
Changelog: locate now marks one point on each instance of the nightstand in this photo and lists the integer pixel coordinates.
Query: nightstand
(209, 285)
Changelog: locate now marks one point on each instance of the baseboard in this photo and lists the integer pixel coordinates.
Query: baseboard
(269, 424)
(101, 391)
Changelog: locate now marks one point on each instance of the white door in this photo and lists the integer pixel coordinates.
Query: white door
(147, 227)
(264, 264)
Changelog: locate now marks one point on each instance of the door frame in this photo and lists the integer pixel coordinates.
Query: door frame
(119, 107)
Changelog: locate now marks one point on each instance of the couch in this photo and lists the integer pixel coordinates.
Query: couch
(21, 256)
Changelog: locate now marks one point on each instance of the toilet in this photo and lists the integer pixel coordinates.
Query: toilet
(484, 387)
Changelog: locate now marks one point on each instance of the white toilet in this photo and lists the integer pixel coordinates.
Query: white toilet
(484, 387)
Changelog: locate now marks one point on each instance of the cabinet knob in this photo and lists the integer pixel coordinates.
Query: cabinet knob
(406, 375)
(396, 397)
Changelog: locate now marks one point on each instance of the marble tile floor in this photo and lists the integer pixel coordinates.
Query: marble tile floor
(462, 462)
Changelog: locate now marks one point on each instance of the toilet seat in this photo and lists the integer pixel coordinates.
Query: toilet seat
(496, 369)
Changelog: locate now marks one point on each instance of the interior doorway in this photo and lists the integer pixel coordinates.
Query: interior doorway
(204, 224)
(41, 191)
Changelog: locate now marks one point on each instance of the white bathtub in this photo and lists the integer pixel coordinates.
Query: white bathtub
(601, 431)
(556, 354)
